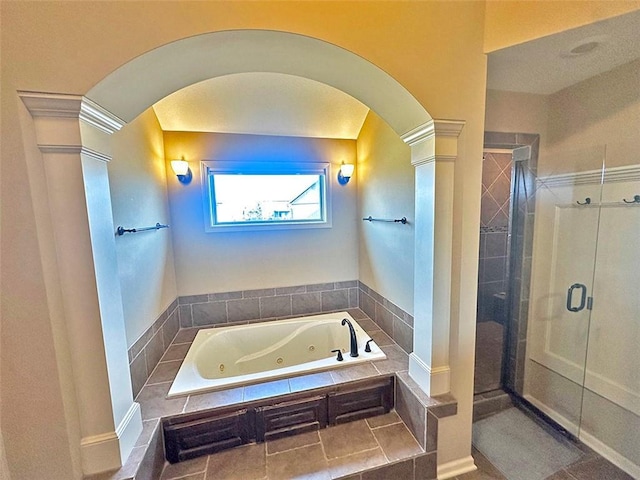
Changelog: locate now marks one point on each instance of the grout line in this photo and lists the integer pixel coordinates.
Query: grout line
(379, 446)
(206, 467)
(387, 425)
(322, 447)
(358, 453)
(184, 476)
(267, 454)
(266, 450)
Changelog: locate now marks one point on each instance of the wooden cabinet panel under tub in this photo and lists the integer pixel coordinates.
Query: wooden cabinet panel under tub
(189, 435)
(290, 418)
(203, 436)
(362, 400)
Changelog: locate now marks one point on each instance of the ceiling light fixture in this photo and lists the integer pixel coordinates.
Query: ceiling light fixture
(584, 46)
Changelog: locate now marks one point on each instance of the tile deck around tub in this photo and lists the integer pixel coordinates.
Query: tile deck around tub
(391, 444)
(154, 404)
(330, 453)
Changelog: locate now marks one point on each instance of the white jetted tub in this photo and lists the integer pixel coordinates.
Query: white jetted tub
(245, 354)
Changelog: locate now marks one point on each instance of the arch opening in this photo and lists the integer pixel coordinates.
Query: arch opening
(121, 97)
(140, 83)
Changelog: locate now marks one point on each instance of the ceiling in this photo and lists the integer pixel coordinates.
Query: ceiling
(286, 105)
(263, 104)
(546, 65)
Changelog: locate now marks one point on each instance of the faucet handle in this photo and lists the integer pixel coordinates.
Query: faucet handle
(367, 348)
(339, 357)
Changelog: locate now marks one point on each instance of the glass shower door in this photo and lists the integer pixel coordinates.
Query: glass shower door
(611, 407)
(567, 208)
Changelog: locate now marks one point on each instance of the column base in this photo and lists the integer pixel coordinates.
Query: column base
(432, 380)
(109, 451)
(456, 467)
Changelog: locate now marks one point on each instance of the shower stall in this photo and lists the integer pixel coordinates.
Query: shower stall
(582, 355)
(572, 290)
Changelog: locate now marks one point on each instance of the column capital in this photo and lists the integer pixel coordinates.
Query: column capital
(59, 105)
(434, 141)
(434, 127)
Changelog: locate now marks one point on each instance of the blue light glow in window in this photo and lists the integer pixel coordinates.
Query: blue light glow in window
(265, 195)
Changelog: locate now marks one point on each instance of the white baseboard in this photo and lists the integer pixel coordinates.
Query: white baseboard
(129, 430)
(610, 454)
(456, 467)
(434, 381)
(109, 451)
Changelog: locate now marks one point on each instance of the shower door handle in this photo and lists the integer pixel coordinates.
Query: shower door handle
(583, 297)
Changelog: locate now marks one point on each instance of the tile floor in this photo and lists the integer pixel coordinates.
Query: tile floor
(330, 453)
(590, 466)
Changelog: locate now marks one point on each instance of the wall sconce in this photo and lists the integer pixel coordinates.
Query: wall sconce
(345, 173)
(182, 170)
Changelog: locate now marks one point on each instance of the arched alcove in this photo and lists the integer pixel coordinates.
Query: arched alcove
(80, 205)
(140, 83)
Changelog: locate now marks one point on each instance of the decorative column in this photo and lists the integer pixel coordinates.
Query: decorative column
(434, 148)
(73, 135)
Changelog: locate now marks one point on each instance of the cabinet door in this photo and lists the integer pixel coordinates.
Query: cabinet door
(365, 401)
(291, 418)
(190, 439)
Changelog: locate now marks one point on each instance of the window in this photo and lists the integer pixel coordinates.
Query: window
(243, 196)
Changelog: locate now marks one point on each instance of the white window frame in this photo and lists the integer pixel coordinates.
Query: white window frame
(208, 168)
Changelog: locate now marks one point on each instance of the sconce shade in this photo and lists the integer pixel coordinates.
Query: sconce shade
(346, 169)
(345, 173)
(180, 167)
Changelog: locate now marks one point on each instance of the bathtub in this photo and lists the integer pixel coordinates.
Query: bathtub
(240, 355)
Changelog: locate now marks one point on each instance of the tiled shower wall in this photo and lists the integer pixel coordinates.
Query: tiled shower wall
(494, 232)
(524, 197)
(233, 308)
(521, 247)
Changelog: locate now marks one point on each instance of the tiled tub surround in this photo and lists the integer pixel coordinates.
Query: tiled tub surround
(418, 412)
(247, 306)
(224, 357)
(233, 308)
(147, 351)
(266, 304)
(390, 318)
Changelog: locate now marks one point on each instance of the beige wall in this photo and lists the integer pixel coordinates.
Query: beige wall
(517, 112)
(385, 190)
(601, 111)
(138, 184)
(576, 123)
(229, 261)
